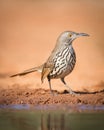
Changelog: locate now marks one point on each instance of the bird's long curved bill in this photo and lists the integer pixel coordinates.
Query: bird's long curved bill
(82, 34)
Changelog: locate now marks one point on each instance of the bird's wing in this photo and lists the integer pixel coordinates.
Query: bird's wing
(39, 68)
(47, 68)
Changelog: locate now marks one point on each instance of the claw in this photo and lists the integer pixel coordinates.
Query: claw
(73, 93)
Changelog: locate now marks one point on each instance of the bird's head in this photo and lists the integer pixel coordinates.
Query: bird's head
(67, 37)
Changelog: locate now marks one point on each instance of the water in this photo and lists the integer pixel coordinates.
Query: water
(18, 117)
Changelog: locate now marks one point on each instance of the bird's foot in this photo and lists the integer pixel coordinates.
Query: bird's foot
(52, 93)
(73, 93)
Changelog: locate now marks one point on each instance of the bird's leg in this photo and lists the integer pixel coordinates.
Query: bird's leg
(49, 81)
(70, 90)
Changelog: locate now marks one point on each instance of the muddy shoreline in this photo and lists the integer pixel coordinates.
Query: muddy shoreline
(43, 97)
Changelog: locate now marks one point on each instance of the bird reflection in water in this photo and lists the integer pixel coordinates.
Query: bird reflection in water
(53, 122)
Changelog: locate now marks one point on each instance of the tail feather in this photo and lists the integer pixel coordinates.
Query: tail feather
(29, 71)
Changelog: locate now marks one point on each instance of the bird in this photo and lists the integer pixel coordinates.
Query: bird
(61, 61)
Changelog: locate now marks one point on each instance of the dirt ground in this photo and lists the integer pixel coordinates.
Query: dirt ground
(40, 96)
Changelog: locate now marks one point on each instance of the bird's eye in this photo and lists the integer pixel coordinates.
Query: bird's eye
(69, 35)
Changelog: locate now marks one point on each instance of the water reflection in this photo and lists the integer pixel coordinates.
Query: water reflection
(30, 120)
(49, 120)
(53, 122)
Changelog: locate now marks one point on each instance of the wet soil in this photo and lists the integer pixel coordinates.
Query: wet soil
(40, 96)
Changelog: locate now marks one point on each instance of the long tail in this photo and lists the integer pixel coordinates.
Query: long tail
(39, 68)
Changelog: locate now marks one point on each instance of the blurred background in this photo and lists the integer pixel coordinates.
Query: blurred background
(28, 33)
